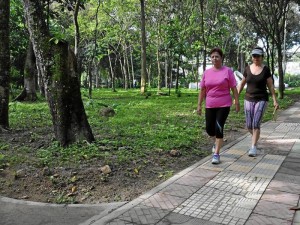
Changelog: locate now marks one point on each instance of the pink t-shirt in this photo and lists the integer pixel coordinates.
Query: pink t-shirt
(218, 84)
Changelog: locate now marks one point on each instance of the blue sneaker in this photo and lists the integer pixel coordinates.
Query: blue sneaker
(216, 159)
(252, 151)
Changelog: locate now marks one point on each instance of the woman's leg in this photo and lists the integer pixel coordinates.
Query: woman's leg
(249, 114)
(255, 137)
(210, 120)
(221, 117)
(259, 110)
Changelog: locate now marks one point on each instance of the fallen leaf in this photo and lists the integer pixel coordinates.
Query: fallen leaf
(73, 179)
(74, 189)
(136, 171)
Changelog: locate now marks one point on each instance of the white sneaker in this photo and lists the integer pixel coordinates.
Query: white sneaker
(216, 159)
(252, 151)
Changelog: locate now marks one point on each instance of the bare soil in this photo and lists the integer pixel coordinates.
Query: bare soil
(86, 184)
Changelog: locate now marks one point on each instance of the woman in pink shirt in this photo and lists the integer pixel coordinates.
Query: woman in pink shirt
(215, 85)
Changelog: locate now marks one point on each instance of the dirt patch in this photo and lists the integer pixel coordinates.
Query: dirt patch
(86, 183)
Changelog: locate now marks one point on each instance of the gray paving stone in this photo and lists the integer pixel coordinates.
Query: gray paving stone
(290, 168)
(200, 172)
(296, 147)
(289, 126)
(280, 197)
(192, 181)
(256, 219)
(296, 220)
(163, 201)
(179, 190)
(141, 215)
(174, 218)
(219, 167)
(289, 178)
(267, 167)
(278, 210)
(284, 186)
(293, 157)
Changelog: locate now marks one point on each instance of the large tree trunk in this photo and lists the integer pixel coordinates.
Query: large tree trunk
(59, 73)
(4, 63)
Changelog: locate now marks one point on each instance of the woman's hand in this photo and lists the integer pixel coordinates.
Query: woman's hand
(237, 105)
(199, 110)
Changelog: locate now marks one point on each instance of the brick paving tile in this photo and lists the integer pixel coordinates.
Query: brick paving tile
(192, 181)
(140, 215)
(278, 210)
(220, 167)
(179, 190)
(256, 219)
(236, 151)
(280, 197)
(274, 147)
(176, 219)
(288, 127)
(163, 201)
(284, 186)
(200, 172)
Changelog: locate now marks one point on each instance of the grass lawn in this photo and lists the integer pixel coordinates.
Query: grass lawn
(137, 140)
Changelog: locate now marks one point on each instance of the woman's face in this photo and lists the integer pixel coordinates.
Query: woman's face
(216, 59)
(257, 59)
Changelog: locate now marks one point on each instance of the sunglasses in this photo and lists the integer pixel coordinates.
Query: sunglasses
(256, 56)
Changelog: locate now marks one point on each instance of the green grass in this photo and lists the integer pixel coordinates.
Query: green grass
(142, 128)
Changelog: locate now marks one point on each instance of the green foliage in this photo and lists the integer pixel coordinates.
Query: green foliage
(27, 115)
(292, 80)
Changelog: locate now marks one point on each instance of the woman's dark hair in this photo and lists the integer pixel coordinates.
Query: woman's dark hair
(218, 50)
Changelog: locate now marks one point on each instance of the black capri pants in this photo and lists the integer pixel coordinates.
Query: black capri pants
(215, 121)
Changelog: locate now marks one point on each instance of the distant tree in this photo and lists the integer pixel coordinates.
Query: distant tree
(4, 63)
(143, 46)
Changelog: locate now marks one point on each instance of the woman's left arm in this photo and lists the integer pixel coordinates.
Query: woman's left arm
(272, 91)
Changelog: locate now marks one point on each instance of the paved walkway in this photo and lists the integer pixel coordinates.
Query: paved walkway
(262, 190)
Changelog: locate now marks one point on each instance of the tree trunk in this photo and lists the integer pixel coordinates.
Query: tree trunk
(166, 70)
(143, 48)
(30, 75)
(280, 73)
(4, 63)
(112, 74)
(158, 69)
(126, 63)
(177, 76)
(59, 72)
(197, 72)
(132, 68)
